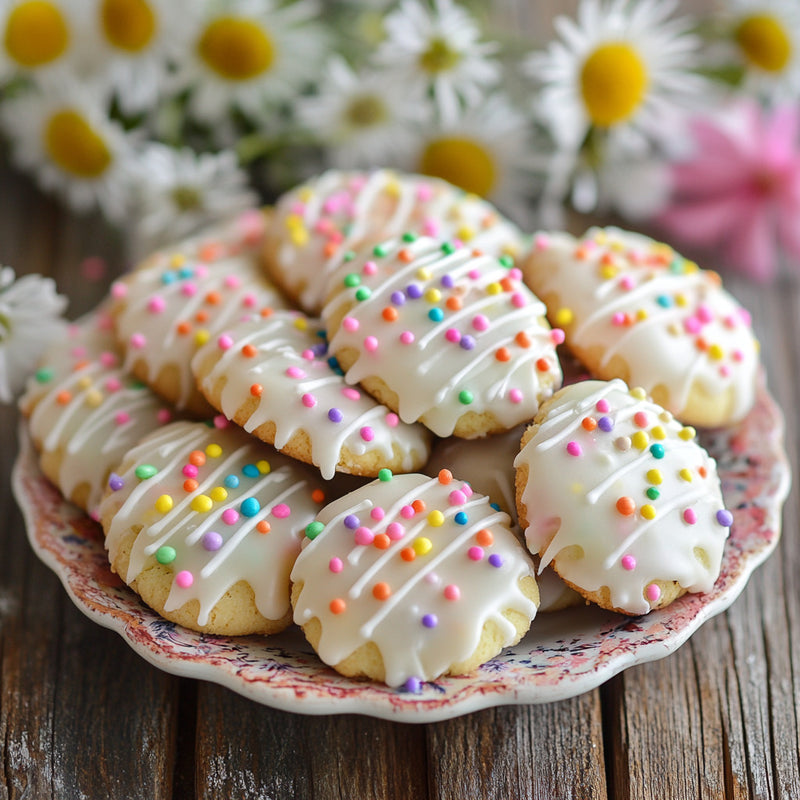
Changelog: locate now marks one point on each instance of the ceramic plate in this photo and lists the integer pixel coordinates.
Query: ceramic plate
(564, 654)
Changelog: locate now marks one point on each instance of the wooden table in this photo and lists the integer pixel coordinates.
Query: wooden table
(83, 716)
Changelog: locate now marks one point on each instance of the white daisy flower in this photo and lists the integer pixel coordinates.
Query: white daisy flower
(180, 191)
(135, 41)
(30, 311)
(621, 68)
(64, 137)
(43, 38)
(248, 53)
(485, 151)
(438, 48)
(766, 38)
(362, 118)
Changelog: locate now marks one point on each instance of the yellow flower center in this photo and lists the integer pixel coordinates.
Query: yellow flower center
(187, 198)
(439, 57)
(366, 111)
(74, 146)
(613, 83)
(764, 42)
(36, 33)
(128, 24)
(237, 49)
(461, 161)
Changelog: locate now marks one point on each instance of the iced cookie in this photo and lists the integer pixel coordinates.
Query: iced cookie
(273, 377)
(634, 309)
(164, 314)
(318, 225)
(618, 496)
(488, 466)
(444, 336)
(86, 412)
(205, 525)
(411, 577)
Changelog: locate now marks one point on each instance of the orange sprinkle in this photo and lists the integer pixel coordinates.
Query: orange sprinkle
(263, 526)
(189, 485)
(702, 472)
(256, 390)
(418, 506)
(210, 252)
(626, 506)
(454, 303)
(445, 476)
(381, 591)
(184, 327)
(477, 252)
(266, 312)
(201, 317)
(318, 496)
(484, 537)
(80, 365)
(542, 364)
(408, 554)
(197, 458)
(405, 255)
(337, 605)
(701, 343)
(63, 397)
(248, 351)
(381, 541)
(522, 339)
(507, 284)
(213, 298)
(589, 423)
(330, 249)
(502, 354)
(389, 314)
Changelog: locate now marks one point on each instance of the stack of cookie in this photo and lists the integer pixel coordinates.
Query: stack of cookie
(314, 415)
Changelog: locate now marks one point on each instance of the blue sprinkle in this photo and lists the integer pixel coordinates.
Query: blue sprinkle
(495, 506)
(250, 507)
(185, 272)
(664, 301)
(334, 365)
(250, 471)
(169, 277)
(436, 315)
(232, 481)
(461, 518)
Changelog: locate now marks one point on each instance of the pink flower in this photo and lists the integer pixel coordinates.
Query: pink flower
(740, 189)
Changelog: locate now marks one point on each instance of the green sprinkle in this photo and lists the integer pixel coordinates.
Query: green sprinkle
(380, 250)
(677, 266)
(465, 397)
(44, 375)
(145, 471)
(506, 261)
(314, 529)
(448, 247)
(363, 293)
(349, 255)
(657, 450)
(351, 280)
(408, 236)
(165, 554)
(653, 493)
(385, 475)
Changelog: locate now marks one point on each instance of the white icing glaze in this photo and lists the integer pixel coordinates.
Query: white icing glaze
(318, 223)
(579, 472)
(299, 390)
(472, 340)
(167, 314)
(487, 581)
(671, 322)
(281, 486)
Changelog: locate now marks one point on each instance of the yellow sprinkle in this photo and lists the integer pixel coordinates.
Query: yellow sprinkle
(638, 393)
(305, 194)
(576, 488)
(673, 329)
(392, 188)
(601, 237)
(465, 233)
(213, 451)
(94, 398)
(218, 494)
(665, 416)
(494, 288)
(658, 432)
(301, 323)
(164, 504)
(680, 300)
(564, 316)
(689, 267)
(202, 336)
(687, 433)
(648, 512)
(686, 474)
(294, 221)
(202, 503)
(640, 440)
(716, 352)
(436, 519)
(85, 382)
(617, 246)
(608, 272)
(263, 467)
(422, 545)
(177, 260)
(654, 477)
(424, 274)
(433, 295)
(299, 236)
(641, 314)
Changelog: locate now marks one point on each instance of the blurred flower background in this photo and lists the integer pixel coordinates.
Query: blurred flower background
(166, 114)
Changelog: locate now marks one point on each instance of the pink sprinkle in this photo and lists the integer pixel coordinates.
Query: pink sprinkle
(467, 489)
(249, 300)
(367, 434)
(640, 418)
(225, 342)
(704, 313)
(189, 289)
(370, 268)
(628, 562)
(363, 536)
(653, 592)
(308, 355)
(281, 511)
(689, 516)
(424, 192)
(574, 449)
(295, 372)
(406, 337)
(351, 393)
(233, 281)
(518, 300)
(395, 531)
(475, 553)
(627, 282)
(221, 421)
(618, 319)
(480, 322)
(201, 271)
(190, 470)
(452, 592)
(297, 208)
(138, 341)
(692, 325)
(113, 385)
(79, 351)
(230, 516)
(108, 359)
(156, 304)
(350, 324)
(407, 512)
(122, 417)
(602, 405)
(738, 355)
(452, 335)
(377, 513)
(430, 227)
(371, 344)
(725, 371)
(745, 316)
(557, 336)
(163, 416)
(731, 321)
(457, 498)
(335, 564)
(392, 420)
(474, 274)
(515, 395)
(541, 242)
(119, 290)
(309, 401)
(184, 579)
(515, 273)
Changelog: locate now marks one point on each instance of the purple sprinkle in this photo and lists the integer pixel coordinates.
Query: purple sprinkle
(605, 424)
(334, 415)
(448, 282)
(351, 521)
(212, 541)
(430, 620)
(467, 342)
(413, 685)
(115, 483)
(319, 349)
(496, 560)
(725, 518)
(413, 291)
(398, 298)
